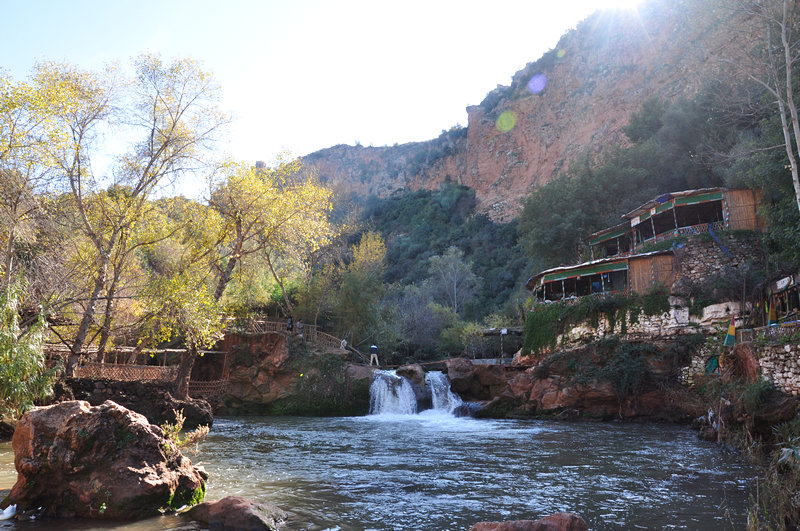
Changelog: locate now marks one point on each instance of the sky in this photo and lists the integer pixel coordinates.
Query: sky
(303, 75)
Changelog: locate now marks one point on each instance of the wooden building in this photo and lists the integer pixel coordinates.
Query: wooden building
(623, 274)
(676, 214)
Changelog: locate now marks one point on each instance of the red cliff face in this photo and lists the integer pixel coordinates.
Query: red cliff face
(573, 101)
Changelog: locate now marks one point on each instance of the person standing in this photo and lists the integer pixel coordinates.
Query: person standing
(373, 355)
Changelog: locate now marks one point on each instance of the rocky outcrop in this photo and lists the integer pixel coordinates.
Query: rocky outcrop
(416, 376)
(259, 368)
(573, 101)
(555, 522)
(474, 382)
(78, 460)
(154, 400)
(627, 380)
(236, 512)
(275, 374)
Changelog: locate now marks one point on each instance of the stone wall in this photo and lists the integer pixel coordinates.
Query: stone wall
(702, 258)
(779, 364)
(677, 321)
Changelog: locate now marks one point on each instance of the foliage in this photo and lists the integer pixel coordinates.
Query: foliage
(545, 323)
(419, 225)
(23, 375)
(358, 311)
(628, 369)
(323, 389)
(275, 214)
(452, 281)
(757, 394)
(172, 433)
(180, 306)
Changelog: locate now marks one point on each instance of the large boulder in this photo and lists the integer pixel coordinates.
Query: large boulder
(78, 460)
(555, 522)
(236, 512)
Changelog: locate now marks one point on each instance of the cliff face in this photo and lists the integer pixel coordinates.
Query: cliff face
(571, 102)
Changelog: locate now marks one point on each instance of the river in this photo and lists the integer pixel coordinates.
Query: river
(433, 471)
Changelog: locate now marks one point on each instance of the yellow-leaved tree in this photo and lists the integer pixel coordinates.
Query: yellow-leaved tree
(279, 215)
(170, 107)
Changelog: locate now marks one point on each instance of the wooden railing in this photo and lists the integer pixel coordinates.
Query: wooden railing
(124, 372)
(208, 389)
(311, 333)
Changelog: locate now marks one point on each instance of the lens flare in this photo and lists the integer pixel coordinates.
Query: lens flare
(506, 121)
(537, 83)
(561, 53)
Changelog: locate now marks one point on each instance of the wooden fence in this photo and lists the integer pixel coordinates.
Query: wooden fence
(208, 389)
(128, 373)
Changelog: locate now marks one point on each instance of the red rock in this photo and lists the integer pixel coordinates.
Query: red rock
(555, 522)
(521, 385)
(237, 512)
(105, 461)
(576, 114)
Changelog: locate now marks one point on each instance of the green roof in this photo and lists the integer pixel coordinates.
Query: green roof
(592, 269)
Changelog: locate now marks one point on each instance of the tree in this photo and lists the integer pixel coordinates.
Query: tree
(452, 281)
(173, 106)
(275, 214)
(178, 301)
(771, 65)
(23, 375)
(26, 131)
(358, 304)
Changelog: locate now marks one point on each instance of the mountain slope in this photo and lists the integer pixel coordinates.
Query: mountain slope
(573, 101)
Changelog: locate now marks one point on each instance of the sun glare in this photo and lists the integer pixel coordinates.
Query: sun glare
(619, 4)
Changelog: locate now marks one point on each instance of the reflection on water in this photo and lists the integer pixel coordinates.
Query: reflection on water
(433, 471)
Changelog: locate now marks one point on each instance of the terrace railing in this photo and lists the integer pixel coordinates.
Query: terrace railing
(769, 333)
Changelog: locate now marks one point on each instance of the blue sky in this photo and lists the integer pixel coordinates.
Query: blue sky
(303, 75)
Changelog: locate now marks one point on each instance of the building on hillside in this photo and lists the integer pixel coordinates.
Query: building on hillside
(621, 274)
(784, 300)
(617, 267)
(679, 214)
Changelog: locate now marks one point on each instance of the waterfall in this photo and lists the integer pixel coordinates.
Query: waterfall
(442, 397)
(391, 394)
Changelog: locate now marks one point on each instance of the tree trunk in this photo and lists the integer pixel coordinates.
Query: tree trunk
(105, 329)
(86, 322)
(224, 278)
(289, 308)
(185, 373)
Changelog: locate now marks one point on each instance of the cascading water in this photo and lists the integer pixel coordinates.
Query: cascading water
(442, 398)
(391, 394)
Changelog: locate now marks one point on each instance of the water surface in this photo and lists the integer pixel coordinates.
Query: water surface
(433, 471)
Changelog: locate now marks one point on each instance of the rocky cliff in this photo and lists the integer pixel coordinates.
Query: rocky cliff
(573, 101)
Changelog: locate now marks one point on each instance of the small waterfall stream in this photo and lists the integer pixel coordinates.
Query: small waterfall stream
(391, 394)
(442, 397)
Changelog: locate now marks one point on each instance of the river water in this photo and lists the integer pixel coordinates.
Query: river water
(434, 471)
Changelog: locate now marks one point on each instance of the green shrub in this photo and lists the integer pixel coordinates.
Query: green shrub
(756, 394)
